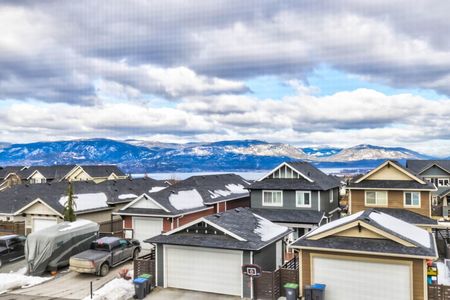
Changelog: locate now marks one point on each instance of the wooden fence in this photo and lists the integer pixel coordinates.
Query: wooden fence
(438, 292)
(145, 265)
(112, 228)
(12, 228)
(271, 284)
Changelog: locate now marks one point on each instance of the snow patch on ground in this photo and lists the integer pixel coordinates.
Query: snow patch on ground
(268, 230)
(127, 196)
(116, 289)
(156, 189)
(443, 273)
(335, 223)
(11, 281)
(186, 199)
(87, 201)
(403, 228)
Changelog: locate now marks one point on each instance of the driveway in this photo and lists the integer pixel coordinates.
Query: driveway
(13, 266)
(164, 294)
(69, 285)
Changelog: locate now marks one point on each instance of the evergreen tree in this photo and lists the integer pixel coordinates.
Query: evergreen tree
(70, 205)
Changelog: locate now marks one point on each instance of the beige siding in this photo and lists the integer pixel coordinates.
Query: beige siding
(388, 173)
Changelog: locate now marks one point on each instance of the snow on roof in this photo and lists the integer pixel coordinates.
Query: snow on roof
(268, 230)
(87, 201)
(186, 199)
(403, 228)
(127, 196)
(335, 223)
(156, 189)
(230, 189)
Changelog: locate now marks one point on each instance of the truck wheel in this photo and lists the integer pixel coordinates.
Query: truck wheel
(104, 269)
(136, 253)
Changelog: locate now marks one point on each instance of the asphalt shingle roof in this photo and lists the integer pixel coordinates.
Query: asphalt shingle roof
(422, 165)
(241, 222)
(295, 216)
(408, 216)
(370, 244)
(392, 184)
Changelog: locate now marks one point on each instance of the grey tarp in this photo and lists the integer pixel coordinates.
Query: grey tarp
(52, 247)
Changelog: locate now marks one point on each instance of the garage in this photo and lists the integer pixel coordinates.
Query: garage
(349, 279)
(204, 269)
(145, 228)
(42, 223)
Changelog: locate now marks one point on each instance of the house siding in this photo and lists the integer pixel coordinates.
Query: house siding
(266, 257)
(418, 280)
(242, 202)
(395, 200)
(435, 172)
(288, 200)
(180, 221)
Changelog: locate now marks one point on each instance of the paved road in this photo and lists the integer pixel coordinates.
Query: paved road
(25, 297)
(69, 285)
(164, 294)
(13, 266)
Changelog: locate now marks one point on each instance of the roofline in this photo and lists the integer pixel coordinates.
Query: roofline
(35, 171)
(226, 200)
(286, 164)
(203, 219)
(144, 195)
(33, 203)
(434, 164)
(390, 189)
(364, 252)
(87, 211)
(390, 162)
(118, 213)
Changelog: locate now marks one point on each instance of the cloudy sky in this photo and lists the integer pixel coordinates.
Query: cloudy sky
(313, 72)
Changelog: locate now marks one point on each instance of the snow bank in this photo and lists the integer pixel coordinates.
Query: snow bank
(403, 228)
(127, 196)
(268, 230)
(116, 289)
(186, 199)
(335, 223)
(443, 276)
(10, 281)
(156, 189)
(87, 201)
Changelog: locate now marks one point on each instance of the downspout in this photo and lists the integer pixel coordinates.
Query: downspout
(318, 201)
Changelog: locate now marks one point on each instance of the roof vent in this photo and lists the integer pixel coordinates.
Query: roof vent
(217, 215)
(237, 210)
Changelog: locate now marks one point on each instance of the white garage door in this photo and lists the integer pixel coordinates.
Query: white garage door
(204, 269)
(41, 223)
(347, 279)
(145, 228)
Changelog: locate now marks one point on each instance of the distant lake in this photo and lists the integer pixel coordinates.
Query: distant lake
(247, 175)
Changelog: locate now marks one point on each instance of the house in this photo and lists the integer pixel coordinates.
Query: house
(42, 205)
(208, 254)
(368, 255)
(438, 173)
(13, 175)
(296, 194)
(390, 185)
(197, 196)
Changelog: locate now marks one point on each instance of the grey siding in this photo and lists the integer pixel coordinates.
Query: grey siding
(435, 171)
(246, 290)
(160, 264)
(266, 258)
(325, 204)
(288, 200)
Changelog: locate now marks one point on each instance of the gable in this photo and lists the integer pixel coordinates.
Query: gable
(359, 232)
(388, 173)
(79, 175)
(37, 175)
(286, 171)
(38, 207)
(145, 202)
(435, 170)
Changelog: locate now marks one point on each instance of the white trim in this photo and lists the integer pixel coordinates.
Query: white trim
(388, 162)
(242, 276)
(148, 198)
(251, 278)
(165, 265)
(391, 189)
(332, 195)
(318, 198)
(118, 213)
(303, 205)
(434, 165)
(376, 198)
(412, 205)
(71, 172)
(156, 264)
(33, 203)
(282, 165)
(209, 223)
(272, 205)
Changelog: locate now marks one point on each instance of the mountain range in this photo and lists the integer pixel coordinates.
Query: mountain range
(138, 156)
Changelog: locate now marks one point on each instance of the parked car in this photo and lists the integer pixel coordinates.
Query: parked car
(11, 248)
(104, 254)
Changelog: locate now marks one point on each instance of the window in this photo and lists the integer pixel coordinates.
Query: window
(272, 198)
(331, 196)
(443, 182)
(412, 199)
(303, 198)
(376, 198)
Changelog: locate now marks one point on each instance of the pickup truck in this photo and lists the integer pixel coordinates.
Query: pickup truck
(11, 248)
(104, 254)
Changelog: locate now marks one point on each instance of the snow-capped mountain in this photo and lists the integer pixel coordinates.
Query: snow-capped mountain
(136, 156)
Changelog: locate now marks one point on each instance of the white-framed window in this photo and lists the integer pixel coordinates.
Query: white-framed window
(272, 198)
(376, 198)
(443, 182)
(303, 198)
(331, 196)
(411, 199)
